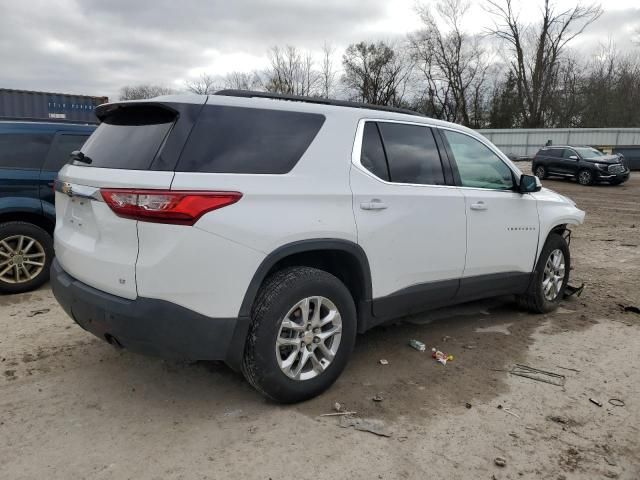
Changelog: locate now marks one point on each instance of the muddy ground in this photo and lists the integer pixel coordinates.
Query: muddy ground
(73, 407)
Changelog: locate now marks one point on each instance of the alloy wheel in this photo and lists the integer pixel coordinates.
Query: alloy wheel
(22, 258)
(584, 177)
(554, 273)
(540, 173)
(309, 338)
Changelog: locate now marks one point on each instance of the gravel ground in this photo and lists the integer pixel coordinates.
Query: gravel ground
(73, 407)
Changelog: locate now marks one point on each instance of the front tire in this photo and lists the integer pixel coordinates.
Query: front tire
(585, 177)
(550, 277)
(303, 328)
(26, 252)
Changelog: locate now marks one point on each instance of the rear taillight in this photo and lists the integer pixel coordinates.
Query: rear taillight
(166, 206)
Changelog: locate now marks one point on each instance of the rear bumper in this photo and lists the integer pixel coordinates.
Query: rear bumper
(150, 326)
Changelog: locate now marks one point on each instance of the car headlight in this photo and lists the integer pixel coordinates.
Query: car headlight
(602, 166)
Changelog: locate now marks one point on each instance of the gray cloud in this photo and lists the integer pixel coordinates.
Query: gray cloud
(95, 47)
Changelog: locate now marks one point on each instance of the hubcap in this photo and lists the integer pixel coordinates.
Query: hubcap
(309, 338)
(554, 273)
(540, 172)
(22, 258)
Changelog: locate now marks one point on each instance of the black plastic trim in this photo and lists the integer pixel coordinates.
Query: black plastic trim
(318, 100)
(149, 326)
(415, 299)
(428, 296)
(306, 246)
(492, 285)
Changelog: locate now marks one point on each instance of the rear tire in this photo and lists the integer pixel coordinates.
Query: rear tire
(284, 327)
(26, 252)
(538, 298)
(585, 177)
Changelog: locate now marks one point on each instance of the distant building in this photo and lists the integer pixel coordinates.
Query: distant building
(521, 143)
(28, 105)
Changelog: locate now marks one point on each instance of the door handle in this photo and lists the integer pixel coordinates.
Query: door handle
(479, 206)
(374, 204)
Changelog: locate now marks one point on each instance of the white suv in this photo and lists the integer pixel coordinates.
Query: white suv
(266, 231)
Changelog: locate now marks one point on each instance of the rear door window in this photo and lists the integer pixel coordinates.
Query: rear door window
(554, 152)
(61, 148)
(24, 150)
(372, 156)
(412, 154)
(129, 138)
(248, 140)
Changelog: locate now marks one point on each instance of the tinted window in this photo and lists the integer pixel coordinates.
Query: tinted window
(588, 152)
(372, 157)
(60, 150)
(412, 154)
(129, 138)
(23, 150)
(553, 152)
(248, 140)
(477, 165)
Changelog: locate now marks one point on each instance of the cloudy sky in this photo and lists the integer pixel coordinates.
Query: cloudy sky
(94, 47)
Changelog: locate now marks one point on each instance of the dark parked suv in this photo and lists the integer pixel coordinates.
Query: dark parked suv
(586, 164)
(31, 153)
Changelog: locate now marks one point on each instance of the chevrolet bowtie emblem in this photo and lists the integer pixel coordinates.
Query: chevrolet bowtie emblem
(66, 189)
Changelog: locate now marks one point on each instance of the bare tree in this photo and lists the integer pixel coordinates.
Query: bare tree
(536, 50)
(205, 84)
(376, 73)
(138, 92)
(291, 71)
(452, 63)
(327, 71)
(243, 81)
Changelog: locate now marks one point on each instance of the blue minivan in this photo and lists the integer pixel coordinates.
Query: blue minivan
(31, 153)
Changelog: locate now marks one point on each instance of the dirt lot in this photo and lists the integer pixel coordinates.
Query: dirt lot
(73, 407)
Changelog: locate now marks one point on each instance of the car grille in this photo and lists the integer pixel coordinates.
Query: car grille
(617, 168)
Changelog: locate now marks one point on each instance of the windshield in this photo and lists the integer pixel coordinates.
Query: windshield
(588, 152)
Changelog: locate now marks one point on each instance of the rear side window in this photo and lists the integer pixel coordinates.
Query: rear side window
(60, 150)
(248, 140)
(24, 150)
(372, 156)
(552, 152)
(129, 138)
(412, 154)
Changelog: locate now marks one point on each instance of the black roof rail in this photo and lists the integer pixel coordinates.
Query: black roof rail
(318, 100)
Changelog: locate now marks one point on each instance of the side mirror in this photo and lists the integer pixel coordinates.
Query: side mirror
(573, 157)
(529, 184)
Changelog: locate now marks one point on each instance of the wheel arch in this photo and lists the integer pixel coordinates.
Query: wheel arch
(29, 216)
(342, 258)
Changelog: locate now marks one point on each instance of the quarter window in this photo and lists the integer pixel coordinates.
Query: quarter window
(412, 154)
(248, 140)
(477, 165)
(372, 157)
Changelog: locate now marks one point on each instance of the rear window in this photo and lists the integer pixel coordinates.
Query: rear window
(248, 140)
(129, 138)
(24, 150)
